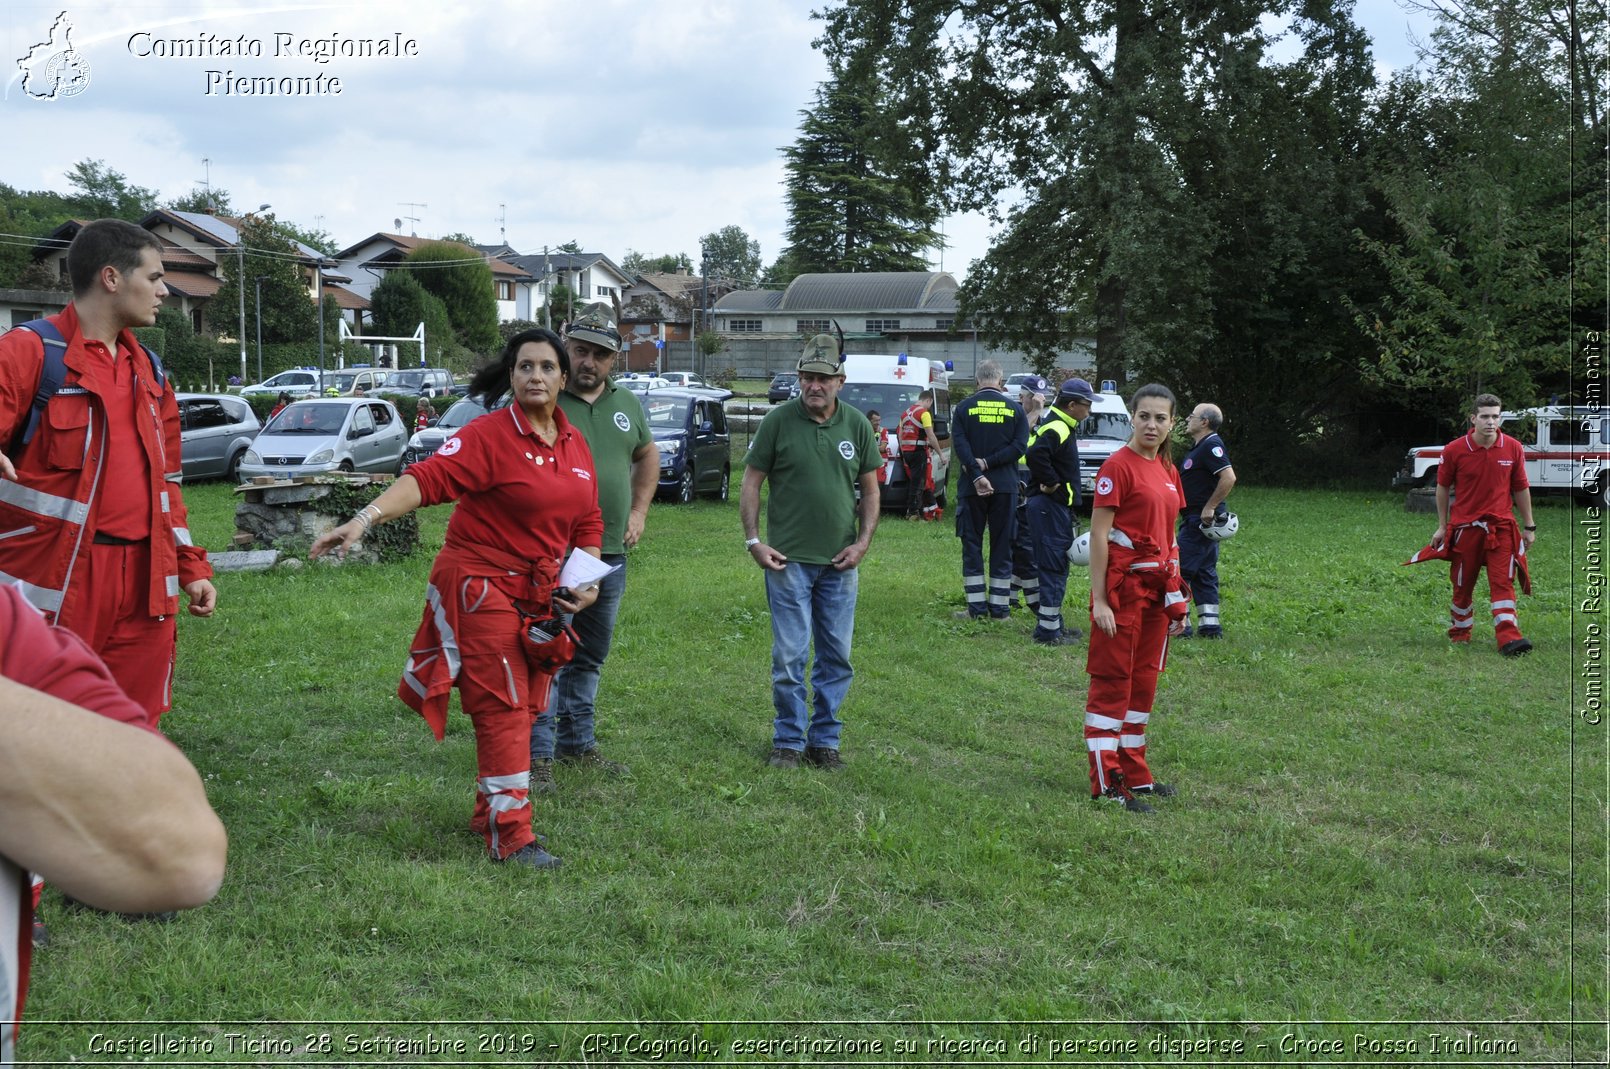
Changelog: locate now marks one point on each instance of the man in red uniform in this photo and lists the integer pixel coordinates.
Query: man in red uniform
(1485, 472)
(143, 839)
(93, 529)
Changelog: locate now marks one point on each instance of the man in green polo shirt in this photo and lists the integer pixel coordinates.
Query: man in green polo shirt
(815, 452)
(627, 466)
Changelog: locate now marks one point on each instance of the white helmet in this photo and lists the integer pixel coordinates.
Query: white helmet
(1079, 552)
(1221, 528)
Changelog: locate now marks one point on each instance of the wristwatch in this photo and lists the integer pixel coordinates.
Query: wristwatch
(1533, 527)
(751, 543)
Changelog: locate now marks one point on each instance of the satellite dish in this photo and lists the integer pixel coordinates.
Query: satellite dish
(396, 224)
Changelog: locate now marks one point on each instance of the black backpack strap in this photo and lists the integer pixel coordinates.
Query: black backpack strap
(51, 376)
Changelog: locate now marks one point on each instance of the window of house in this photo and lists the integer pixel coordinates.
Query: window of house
(944, 324)
(812, 326)
(743, 326)
(882, 324)
(505, 291)
(604, 291)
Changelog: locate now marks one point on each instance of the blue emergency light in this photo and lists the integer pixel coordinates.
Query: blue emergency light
(902, 360)
(1109, 386)
(950, 365)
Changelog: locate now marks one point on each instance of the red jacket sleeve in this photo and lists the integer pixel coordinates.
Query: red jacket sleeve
(57, 662)
(193, 562)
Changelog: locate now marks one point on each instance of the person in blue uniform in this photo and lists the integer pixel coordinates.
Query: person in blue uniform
(1053, 497)
(988, 432)
(1208, 479)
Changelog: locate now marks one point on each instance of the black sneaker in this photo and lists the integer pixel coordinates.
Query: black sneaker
(1066, 637)
(1156, 790)
(1210, 632)
(828, 760)
(41, 936)
(1518, 648)
(1129, 802)
(593, 759)
(531, 855)
(781, 758)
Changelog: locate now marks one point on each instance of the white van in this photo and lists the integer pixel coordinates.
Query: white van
(1100, 435)
(890, 384)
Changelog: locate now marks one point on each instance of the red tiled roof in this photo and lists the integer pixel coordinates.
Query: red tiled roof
(191, 283)
(346, 299)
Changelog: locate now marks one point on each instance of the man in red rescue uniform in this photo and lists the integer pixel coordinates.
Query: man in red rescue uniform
(917, 444)
(1486, 472)
(93, 528)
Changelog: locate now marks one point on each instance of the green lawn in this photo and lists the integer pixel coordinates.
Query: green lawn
(1373, 826)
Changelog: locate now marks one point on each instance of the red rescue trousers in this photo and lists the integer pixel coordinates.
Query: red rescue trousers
(1472, 547)
(495, 687)
(112, 621)
(1123, 685)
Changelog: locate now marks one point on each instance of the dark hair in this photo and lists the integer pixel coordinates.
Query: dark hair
(873, 412)
(1165, 452)
(107, 243)
(1486, 400)
(491, 380)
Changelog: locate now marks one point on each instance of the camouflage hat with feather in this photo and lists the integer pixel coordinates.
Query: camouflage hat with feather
(596, 328)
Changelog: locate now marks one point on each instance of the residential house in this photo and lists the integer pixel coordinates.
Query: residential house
(367, 262)
(194, 245)
(591, 276)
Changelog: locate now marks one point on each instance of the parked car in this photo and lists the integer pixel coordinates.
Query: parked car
(781, 387)
(684, 378)
(215, 430)
(353, 382)
(424, 443)
(298, 382)
(690, 429)
(420, 381)
(329, 434)
(643, 384)
(1015, 383)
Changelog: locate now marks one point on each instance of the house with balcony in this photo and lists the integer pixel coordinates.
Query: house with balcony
(366, 262)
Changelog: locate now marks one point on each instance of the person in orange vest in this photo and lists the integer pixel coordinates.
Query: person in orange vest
(917, 438)
(885, 450)
(100, 540)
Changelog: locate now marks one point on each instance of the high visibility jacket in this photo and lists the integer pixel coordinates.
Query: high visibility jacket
(49, 515)
(912, 434)
(1053, 457)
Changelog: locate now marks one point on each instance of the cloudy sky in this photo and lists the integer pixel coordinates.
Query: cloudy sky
(619, 124)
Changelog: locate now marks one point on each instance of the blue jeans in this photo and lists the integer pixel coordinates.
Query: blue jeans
(810, 603)
(570, 711)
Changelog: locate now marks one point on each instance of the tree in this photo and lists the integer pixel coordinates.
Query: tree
(730, 254)
(313, 237)
(288, 308)
(670, 264)
(1479, 186)
(461, 279)
(852, 206)
(103, 193)
(207, 200)
(399, 304)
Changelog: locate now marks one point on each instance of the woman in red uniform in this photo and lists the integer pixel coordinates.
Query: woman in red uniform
(1136, 600)
(523, 478)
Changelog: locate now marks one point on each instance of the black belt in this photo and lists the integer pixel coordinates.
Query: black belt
(113, 540)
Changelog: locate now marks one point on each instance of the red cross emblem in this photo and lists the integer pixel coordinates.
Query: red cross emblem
(899, 372)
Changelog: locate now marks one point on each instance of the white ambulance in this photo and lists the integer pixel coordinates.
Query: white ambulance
(889, 384)
(1567, 451)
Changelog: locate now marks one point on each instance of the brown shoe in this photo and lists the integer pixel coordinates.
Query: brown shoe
(595, 760)
(542, 776)
(826, 759)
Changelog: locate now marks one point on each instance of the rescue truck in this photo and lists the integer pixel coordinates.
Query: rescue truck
(889, 384)
(1567, 451)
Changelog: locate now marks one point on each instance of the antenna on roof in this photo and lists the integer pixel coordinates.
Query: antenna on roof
(396, 224)
(503, 223)
(412, 231)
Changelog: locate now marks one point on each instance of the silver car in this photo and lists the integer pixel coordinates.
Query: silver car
(214, 433)
(329, 434)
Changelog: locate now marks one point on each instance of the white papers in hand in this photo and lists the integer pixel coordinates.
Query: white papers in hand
(583, 571)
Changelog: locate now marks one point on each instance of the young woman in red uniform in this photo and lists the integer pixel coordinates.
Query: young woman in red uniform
(523, 480)
(1136, 600)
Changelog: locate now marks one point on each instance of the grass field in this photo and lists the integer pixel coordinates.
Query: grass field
(1379, 839)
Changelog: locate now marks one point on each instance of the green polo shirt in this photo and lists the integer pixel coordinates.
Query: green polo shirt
(812, 469)
(615, 428)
